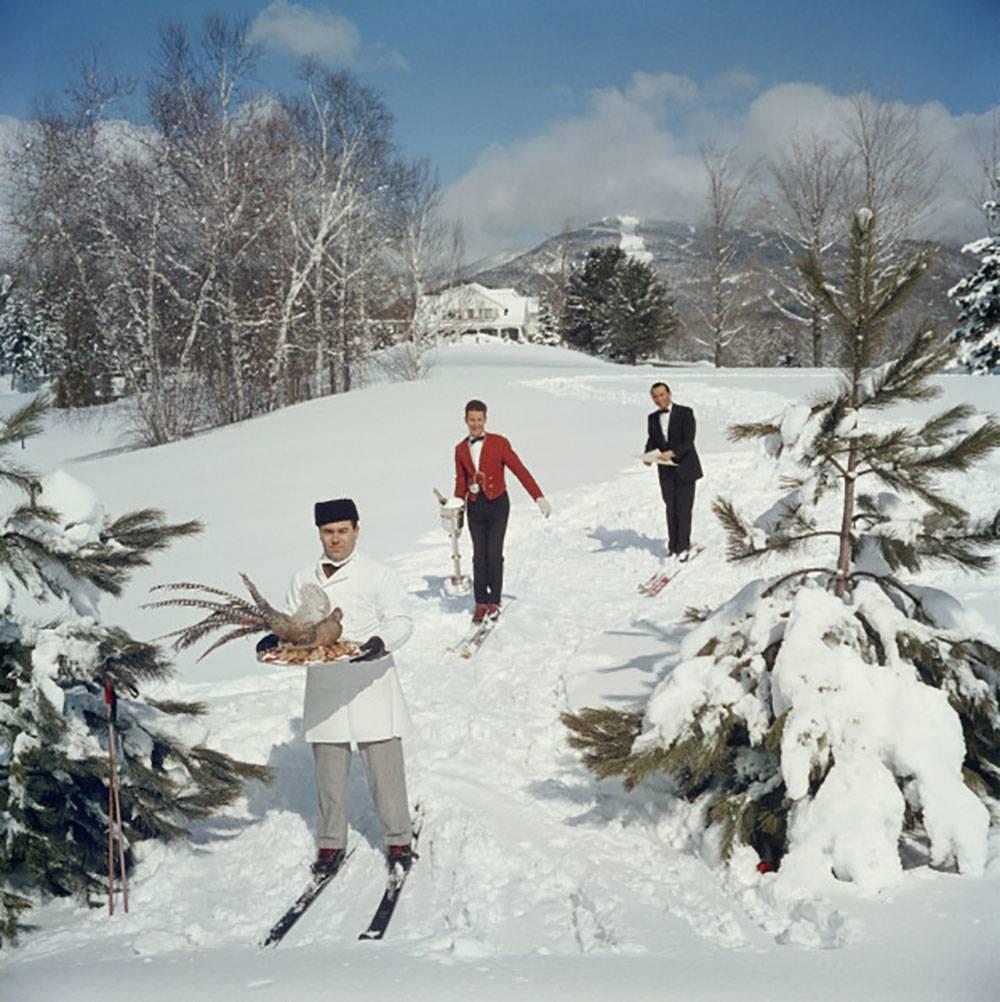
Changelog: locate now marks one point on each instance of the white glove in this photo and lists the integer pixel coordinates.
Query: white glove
(544, 507)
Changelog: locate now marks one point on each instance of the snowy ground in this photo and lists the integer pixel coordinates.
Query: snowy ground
(535, 882)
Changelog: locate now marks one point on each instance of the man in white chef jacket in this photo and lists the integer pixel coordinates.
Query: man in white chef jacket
(357, 703)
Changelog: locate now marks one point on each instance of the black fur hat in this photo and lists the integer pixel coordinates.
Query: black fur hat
(338, 510)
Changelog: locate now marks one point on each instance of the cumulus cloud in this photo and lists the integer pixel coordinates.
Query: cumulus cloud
(320, 34)
(636, 151)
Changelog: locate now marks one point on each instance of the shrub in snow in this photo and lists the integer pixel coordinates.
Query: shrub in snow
(57, 543)
(822, 714)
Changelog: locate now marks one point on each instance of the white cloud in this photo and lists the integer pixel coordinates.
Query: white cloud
(619, 157)
(635, 151)
(302, 31)
(317, 33)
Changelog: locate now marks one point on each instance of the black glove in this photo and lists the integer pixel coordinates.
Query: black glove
(267, 643)
(371, 650)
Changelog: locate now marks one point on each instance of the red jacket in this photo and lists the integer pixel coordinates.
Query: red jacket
(495, 454)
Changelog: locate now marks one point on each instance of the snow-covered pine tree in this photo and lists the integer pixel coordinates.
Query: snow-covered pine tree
(56, 543)
(977, 334)
(546, 328)
(23, 341)
(824, 714)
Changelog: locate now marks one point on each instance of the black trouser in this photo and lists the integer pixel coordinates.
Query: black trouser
(487, 526)
(678, 497)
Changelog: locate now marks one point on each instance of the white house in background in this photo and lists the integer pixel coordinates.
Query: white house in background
(474, 309)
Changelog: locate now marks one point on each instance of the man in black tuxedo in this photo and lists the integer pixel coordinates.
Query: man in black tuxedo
(671, 434)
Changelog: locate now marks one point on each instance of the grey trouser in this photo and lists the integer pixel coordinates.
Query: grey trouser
(386, 780)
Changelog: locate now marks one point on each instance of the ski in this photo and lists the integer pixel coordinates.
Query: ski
(476, 637)
(463, 645)
(312, 891)
(476, 640)
(650, 582)
(658, 582)
(393, 888)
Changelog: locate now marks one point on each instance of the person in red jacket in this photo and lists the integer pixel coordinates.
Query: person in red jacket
(480, 460)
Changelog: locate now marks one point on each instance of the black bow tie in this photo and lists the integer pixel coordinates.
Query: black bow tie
(472, 441)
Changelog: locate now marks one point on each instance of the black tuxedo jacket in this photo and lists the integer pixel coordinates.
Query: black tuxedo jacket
(680, 439)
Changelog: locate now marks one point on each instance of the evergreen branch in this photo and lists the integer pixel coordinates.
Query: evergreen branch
(751, 430)
(605, 736)
(811, 270)
(936, 429)
(25, 422)
(914, 481)
(802, 572)
(738, 533)
(965, 453)
(22, 478)
(899, 286)
(178, 707)
(907, 377)
(146, 531)
(886, 581)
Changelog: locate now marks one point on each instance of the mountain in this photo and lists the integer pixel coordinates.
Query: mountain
(676, 251)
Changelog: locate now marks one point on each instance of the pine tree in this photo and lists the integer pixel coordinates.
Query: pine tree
(615, 306)
(24, 348)
(546, 329)
(58, 545)
(977, 334)
(838, 682)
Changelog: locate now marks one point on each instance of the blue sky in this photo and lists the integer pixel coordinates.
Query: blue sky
(495, 92)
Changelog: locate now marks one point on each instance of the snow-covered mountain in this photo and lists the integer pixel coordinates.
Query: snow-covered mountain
(535, 881)
(676, 251)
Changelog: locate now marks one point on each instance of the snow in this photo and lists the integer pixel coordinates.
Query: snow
(81, 512)
(631, 242)
(868, 724)
(534, 880)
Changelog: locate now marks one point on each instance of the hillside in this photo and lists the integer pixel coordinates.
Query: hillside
(535, 881)
(676, 252)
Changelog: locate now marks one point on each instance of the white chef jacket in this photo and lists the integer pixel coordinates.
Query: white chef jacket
(362, 701)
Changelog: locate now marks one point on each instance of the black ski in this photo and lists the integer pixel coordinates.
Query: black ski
(313, 890)
(393, 888)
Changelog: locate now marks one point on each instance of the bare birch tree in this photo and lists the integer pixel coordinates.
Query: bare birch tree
(810, 179)
(893, 173)
(720, 294)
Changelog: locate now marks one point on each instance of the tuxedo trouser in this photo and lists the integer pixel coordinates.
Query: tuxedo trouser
(678, 497)
(383, 762)
(487, 526)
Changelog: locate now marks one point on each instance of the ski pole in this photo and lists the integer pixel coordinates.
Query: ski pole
(114, 806)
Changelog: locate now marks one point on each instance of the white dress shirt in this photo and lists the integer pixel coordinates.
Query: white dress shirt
(665, 423)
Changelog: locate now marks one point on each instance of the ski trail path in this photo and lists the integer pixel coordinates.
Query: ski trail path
(522, 848)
